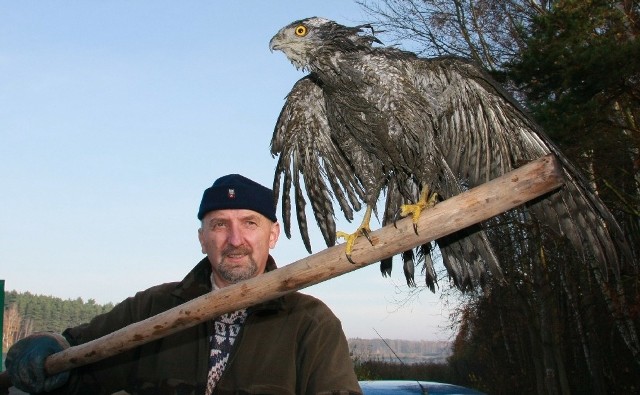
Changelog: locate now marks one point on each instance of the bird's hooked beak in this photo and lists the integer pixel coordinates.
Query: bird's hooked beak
(274, 43)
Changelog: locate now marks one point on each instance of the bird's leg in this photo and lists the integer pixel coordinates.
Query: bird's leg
(425, 201)
(363, 229)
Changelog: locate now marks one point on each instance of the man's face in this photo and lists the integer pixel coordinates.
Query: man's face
(237, 243)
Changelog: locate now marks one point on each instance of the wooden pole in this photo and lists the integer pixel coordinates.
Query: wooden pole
(478, 204)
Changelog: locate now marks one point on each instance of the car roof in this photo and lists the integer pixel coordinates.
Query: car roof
(408, 387)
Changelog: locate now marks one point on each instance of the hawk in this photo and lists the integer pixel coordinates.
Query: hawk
(370, 121)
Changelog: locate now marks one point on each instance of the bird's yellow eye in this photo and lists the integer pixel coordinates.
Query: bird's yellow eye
(301, 30)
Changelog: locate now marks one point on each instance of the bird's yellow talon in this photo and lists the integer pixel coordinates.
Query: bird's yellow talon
(342, 235)
(416, 209)
(350, 238)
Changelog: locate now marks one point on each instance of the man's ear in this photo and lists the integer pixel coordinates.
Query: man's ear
(201, 239)
(274, 235)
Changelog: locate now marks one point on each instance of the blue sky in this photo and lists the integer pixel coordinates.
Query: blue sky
(116, 115)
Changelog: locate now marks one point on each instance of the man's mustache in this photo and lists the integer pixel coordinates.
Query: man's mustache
(236, 251)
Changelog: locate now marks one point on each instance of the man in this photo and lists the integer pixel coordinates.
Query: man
(291, 345)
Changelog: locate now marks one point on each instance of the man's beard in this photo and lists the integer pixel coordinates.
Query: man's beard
(233, 274)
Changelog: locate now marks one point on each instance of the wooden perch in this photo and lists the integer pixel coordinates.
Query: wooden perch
(478, 204)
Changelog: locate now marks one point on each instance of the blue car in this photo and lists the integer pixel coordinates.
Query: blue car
(407, 387)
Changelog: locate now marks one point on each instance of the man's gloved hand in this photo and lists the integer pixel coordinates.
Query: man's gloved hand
(25, 362)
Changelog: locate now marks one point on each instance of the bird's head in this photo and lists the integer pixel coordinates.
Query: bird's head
(306, 40)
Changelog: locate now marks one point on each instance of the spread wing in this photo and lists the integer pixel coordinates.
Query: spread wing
(305, 147)
(483, 133)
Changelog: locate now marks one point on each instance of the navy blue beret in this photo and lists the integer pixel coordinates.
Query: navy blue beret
(237, 192)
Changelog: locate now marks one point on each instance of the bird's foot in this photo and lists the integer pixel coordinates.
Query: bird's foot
(363, 230)
(351, 238)
(426, 201)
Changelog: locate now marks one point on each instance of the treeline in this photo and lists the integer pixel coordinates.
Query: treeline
(560, 323)
(395, 350)
(25, 313)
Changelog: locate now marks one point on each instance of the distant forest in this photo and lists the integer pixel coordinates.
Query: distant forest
(25, 313)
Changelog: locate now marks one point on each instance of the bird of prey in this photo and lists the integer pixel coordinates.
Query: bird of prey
(369, 121)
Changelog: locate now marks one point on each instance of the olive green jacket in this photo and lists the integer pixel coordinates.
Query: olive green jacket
(291, 345)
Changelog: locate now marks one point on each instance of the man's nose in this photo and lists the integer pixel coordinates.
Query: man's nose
(234, 237)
